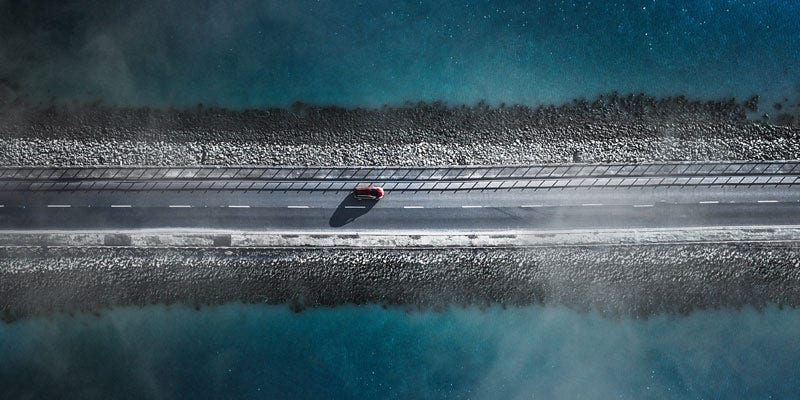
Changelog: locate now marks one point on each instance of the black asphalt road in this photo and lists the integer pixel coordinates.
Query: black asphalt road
(513, 203)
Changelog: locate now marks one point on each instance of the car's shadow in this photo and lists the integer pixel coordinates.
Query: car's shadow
(349, 209)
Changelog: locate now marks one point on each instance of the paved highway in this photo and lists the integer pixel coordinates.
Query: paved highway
(456, 198)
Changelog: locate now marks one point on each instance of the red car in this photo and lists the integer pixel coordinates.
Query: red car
(368, 192)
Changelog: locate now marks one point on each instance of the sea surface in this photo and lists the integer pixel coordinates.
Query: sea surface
(368, 352)
(244, 54)
(256, 53)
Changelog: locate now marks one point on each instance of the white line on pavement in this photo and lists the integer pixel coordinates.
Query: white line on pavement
(531, 205)
(355, 206)
(235, 206)
(768, 201)
(179, 206)
(471, 206)
(413, 207)
(297, 206)
(710, 202)
(591, 204)
(120, 206)
(58, 206)
(642, 205)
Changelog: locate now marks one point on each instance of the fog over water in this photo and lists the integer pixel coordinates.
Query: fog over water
(370, 352)
(245, 53)
(248, 53)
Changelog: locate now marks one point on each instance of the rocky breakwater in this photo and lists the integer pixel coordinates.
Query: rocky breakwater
(610, 128)
(639, 280)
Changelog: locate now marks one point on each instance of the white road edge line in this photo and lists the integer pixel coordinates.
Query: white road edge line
(235, 206)
(413, 207)
(471, 206)
(709, 202)
(58, 206)
(531, 205)
(120, 206)
(642, 205)
(768, 201)
(591, 204)
(178, 206)
(355, 206)
(297, 207)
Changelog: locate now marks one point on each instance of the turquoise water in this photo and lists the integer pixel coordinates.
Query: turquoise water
(248, 53)
(252, 351)
(252, 53)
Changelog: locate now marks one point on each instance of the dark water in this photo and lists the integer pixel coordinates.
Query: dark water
(369, 352)
(248, 53)
(264, 53)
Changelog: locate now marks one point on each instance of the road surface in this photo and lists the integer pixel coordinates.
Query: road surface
(453, 198)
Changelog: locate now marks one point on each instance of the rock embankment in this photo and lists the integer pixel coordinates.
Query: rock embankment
(639, 280)
(611, 128)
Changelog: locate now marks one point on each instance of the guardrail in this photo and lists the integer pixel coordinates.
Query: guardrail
(455, 173)
(511, 184)
(534, 177)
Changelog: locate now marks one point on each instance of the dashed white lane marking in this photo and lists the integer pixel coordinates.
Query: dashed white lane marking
(768, 201)
(297, 206)
(120, 206)
(58, 206)
(591, 204)
(642, 205)
(413, 207)
(709, 202)
(531, 205)
(471, 206)
(355, 206)
(235, 206)
(179, 206)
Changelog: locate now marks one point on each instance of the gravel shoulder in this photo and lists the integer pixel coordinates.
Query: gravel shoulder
(430, 239)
